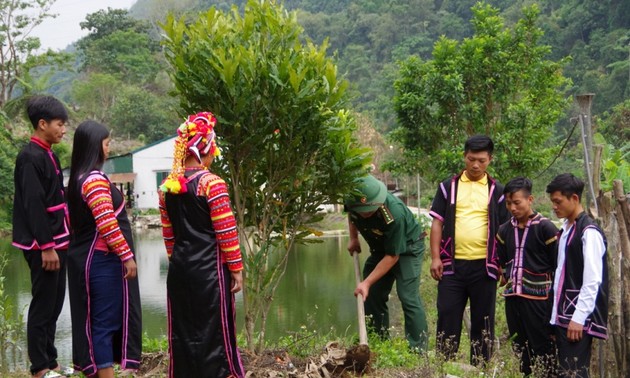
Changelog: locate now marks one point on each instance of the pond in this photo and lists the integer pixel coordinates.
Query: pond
(315, 292)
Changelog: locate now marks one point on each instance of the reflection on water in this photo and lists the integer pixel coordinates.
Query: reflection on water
(315, 292)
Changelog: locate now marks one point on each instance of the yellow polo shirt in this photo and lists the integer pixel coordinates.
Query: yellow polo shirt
(471, 219)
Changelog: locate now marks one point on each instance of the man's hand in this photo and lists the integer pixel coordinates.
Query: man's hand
(364, 289)
(50, 260)
(502, 280)
(237, 281)
(131, 270)
(575, 331)
(354, 246)
(437, 268)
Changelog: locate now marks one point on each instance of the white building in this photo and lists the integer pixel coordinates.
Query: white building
(139, 173)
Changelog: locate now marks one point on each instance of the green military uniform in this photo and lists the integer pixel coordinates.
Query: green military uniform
(392, 229)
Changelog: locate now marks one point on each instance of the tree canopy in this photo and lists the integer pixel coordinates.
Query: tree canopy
(17, 48)
(497, 82)
(366, 39)
(121, 66)
(285, 132)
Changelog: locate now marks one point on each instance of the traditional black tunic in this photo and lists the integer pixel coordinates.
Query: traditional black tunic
(128, 343)
(39, 209)
(202, 337)
(528, 256)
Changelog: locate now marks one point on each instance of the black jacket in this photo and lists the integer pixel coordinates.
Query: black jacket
(443, 208)
(528, 265)
(596, 323)
(39, 210)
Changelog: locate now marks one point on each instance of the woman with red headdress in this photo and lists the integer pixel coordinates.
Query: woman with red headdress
(205, 266)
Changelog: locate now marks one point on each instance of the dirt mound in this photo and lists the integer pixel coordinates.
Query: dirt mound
(333, 362)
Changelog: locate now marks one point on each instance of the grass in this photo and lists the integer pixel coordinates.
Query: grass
(11, 326)
(394, 352)
(154, 345)
(393, 356)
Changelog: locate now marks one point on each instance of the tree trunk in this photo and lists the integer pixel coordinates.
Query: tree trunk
(249, 329)
(622, 199)
(623, 220)
(263, 325)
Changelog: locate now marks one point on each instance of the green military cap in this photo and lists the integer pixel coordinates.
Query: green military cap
(370, 196)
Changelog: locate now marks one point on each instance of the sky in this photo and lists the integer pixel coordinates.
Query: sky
(57, 33)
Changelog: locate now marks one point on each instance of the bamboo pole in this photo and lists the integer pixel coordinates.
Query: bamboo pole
(584, 101)
(597, 164)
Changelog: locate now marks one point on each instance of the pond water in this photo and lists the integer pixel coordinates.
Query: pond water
(315, 292)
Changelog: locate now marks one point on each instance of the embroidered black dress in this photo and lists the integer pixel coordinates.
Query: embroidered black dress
(200, 304)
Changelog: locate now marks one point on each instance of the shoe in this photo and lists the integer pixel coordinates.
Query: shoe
(66, 370)
(52, 374)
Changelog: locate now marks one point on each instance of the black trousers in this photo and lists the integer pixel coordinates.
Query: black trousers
(469, 282)
(530, 332)
(574, 358)
(48, 290)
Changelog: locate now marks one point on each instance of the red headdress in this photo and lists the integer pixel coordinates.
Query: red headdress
(195, 137)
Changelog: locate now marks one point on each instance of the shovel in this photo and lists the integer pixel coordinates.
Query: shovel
(360, 307)
(359, 356)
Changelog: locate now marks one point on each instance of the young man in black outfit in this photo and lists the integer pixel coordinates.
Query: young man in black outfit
(40, 229)
(580, 287)
(527, 248)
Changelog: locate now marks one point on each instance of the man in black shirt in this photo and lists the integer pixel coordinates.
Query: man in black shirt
(527, 246)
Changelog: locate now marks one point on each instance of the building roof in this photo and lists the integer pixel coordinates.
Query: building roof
(153, 144)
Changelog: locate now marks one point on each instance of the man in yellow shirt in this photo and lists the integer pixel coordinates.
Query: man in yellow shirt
(467, 210)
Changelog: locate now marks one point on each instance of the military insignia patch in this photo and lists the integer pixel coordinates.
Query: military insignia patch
(387, 215)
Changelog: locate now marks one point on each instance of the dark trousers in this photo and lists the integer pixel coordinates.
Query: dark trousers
(574, 358)
(469, 282)
(530, 332)
(406, 274)
(48, 290)
(106, 307)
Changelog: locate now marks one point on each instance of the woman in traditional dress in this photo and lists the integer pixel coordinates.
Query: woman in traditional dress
(104, 295)
(205, 266)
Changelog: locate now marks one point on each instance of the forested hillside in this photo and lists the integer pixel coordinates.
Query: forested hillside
(118, 75)
(370, 36)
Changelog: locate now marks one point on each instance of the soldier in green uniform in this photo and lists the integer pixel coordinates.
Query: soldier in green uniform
(396, 251)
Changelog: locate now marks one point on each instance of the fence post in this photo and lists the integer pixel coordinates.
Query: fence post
(623, 220)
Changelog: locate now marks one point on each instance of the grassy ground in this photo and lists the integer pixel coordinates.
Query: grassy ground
(392, 357)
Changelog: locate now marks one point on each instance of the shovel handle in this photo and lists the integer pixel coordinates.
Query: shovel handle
(360, 308)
